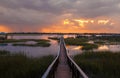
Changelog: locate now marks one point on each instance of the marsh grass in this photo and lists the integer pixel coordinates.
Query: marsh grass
(22, 40)
(108, 38)
(100, 64)
(89, 47)
(53, 38)
(76, 41)
(4, 53)
(40, 42)
(44, 43)
(20, 66)
(99, 42)
(81, 42)
(12, 40)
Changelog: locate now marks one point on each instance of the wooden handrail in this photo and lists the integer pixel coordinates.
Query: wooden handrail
(49, 73)
(51, 69)
(77, 72)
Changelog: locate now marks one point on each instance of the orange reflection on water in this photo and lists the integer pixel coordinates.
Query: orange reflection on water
(104, 47)
(78, 48)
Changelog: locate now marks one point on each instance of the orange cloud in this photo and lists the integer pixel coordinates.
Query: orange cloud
(103, 21)
(85, 22)
(66, 21)
(82, 22)
(81, 26)
(96, 25)
(63, 29)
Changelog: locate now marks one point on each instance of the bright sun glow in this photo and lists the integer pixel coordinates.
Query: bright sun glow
(82, 22)
(66, 21)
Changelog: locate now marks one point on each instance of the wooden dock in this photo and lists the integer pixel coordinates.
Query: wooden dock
(63, 69)
(63, 66)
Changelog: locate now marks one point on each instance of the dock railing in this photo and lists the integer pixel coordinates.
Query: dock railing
(50, 72)
(77, 72)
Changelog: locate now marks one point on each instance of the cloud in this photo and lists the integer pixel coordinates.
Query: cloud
(45, 13)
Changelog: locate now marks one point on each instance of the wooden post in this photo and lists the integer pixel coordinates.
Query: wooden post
(6, 36)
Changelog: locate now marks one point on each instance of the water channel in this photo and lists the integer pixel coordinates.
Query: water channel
(52, 50)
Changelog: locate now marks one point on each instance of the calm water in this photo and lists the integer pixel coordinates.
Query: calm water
(53, 49)
(32, 51)
(73, 50)
(113, 48)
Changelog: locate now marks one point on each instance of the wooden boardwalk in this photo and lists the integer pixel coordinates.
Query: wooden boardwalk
(63, 66)
(63, 69)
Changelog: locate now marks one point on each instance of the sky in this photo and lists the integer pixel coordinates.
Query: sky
(68, 16)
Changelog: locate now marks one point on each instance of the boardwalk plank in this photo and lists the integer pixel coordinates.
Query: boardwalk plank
(63, 69)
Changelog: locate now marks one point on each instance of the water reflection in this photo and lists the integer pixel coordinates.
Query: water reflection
(32, 51)
(91, 42)
(103, 47)
(78, 48)
(3, 44)
(31, 36)
(74, 50)
(53, 49)
(67, 36)
(112, 48)
(30, 42)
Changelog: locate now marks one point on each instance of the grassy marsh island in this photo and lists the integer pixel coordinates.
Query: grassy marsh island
(53, 38)
(99, 64)
(13, 40)
(89, 46)
(21, 42)
(107, 39)
(20, 66)
(82, 42)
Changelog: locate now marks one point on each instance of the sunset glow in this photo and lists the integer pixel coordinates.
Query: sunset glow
(66, 21)
(85, 22)
(59, 38)
(80, 25)
(103, 21)
(4, 29)
(82, 22)
(60, 16)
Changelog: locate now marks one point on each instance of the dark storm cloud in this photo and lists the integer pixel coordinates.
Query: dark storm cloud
(48, 12)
